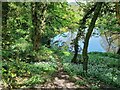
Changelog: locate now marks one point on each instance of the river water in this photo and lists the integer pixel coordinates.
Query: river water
(66, 38)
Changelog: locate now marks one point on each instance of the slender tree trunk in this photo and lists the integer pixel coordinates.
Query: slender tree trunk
(74, 59)
(108, 41)
(91, 26)
(80, 33)
(118, 11)
(118, 52)
(118, 17)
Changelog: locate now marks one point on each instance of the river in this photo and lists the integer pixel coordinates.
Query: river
(97, 43)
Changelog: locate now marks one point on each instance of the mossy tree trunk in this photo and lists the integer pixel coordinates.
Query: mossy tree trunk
(118, 11)
(91, 26)
(80, 33)
(5, 10)
(5, 37)
(38, 10)
(118, 18)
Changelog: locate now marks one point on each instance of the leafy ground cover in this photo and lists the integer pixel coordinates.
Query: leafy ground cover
(102, 68)
(55, 70)
(20, 74)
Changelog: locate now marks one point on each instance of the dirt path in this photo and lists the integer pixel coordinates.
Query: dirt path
(60, 80)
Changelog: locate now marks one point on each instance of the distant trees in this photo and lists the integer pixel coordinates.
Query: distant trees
(109, 26)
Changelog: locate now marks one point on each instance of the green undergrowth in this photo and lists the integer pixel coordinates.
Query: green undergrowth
(18, 73)
(21, 71)
(31, 74)
(102, 67)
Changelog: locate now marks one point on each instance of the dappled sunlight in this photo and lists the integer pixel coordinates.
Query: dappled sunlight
(60, 45)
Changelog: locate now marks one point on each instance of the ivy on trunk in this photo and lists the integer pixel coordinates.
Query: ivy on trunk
(38, 19)
(91, 26)
(80, 33)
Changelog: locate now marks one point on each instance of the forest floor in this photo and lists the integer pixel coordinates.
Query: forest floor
(62, 80)
(57, 72)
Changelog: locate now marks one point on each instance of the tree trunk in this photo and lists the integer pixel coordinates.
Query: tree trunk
(91, 26)
(118, 52)
(5, 10)
(74, 59)
(80, 33)
(118, 12)
(35, 32)
(118, 17)
(38, 17)
(5, 37)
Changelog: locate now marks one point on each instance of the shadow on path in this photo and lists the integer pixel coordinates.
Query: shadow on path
(61, 79)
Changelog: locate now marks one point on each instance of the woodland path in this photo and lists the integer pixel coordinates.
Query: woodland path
(61, 80)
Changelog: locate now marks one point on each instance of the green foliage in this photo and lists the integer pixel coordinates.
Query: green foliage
(105, 68)
(23, 67)
(107, 22)
(34, 80)
(60, 16)
(80, 82)
(16, 36)
(34, 72)
(102, 66)
(73, 69)
(94, 87)
(9, 73)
